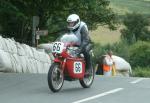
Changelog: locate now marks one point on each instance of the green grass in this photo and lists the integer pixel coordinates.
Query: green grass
(128, 6)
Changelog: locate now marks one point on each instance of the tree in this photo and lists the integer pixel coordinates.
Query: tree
(16, 15)
(136, 28)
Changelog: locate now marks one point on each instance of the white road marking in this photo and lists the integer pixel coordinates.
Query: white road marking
(99, 95)
(138, 80)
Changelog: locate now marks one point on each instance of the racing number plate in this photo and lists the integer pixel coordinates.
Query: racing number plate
(77, 67)
(57, 47)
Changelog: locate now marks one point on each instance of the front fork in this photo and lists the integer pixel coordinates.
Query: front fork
(61, 62)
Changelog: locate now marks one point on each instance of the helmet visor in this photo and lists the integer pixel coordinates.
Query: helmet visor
(71, 24)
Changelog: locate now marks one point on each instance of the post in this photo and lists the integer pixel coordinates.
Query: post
(34, 26)
(40, 33)
(37, 38)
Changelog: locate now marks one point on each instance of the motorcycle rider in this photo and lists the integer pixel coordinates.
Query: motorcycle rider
(80, 29)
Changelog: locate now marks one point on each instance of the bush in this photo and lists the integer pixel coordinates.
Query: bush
(98, 51)
(141, 72)
(140, 54)
(119, 49)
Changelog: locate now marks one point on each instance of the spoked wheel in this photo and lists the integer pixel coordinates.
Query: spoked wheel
(55, 77)
(87, 81)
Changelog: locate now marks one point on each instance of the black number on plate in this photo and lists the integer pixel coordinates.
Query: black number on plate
(56, 47)
(78, 67)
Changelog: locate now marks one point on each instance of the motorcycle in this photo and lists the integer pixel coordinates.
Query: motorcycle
(68, 64)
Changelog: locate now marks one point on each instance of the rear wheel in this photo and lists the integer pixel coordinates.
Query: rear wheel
(87, 81)
(55, 77)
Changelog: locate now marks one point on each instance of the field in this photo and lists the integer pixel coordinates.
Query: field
(123, 6)
(104, 36)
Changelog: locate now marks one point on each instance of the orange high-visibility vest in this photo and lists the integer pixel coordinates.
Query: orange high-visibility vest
(107, 65)
(106, 68)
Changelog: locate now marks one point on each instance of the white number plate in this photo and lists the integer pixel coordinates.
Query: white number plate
(57, 47)
(77, 67)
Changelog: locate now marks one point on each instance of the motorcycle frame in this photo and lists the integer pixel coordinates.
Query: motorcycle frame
(61, 59)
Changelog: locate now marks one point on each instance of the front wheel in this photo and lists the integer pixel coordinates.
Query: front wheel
(87, 81)
(55, 77)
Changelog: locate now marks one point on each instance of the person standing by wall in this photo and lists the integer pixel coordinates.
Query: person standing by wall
(108, 64)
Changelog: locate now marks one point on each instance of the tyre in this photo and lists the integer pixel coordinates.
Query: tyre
(87, 81)
(55, 77)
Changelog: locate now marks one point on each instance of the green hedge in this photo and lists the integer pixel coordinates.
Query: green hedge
(139, 54)
(141, 72)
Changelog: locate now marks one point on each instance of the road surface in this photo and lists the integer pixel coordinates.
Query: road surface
(33, 88)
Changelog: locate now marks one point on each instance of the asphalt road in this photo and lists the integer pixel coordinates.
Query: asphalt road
(33, 88)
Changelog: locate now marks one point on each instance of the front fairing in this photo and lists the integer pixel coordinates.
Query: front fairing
(70, 43)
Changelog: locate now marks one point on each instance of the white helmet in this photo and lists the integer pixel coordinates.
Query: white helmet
(73, 21)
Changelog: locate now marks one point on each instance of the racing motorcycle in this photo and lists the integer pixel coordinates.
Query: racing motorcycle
(68, 64)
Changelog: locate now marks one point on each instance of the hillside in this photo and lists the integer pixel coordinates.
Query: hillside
(123, 6)
(104, 35)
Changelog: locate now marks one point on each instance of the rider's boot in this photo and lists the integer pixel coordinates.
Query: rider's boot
(88, 62)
